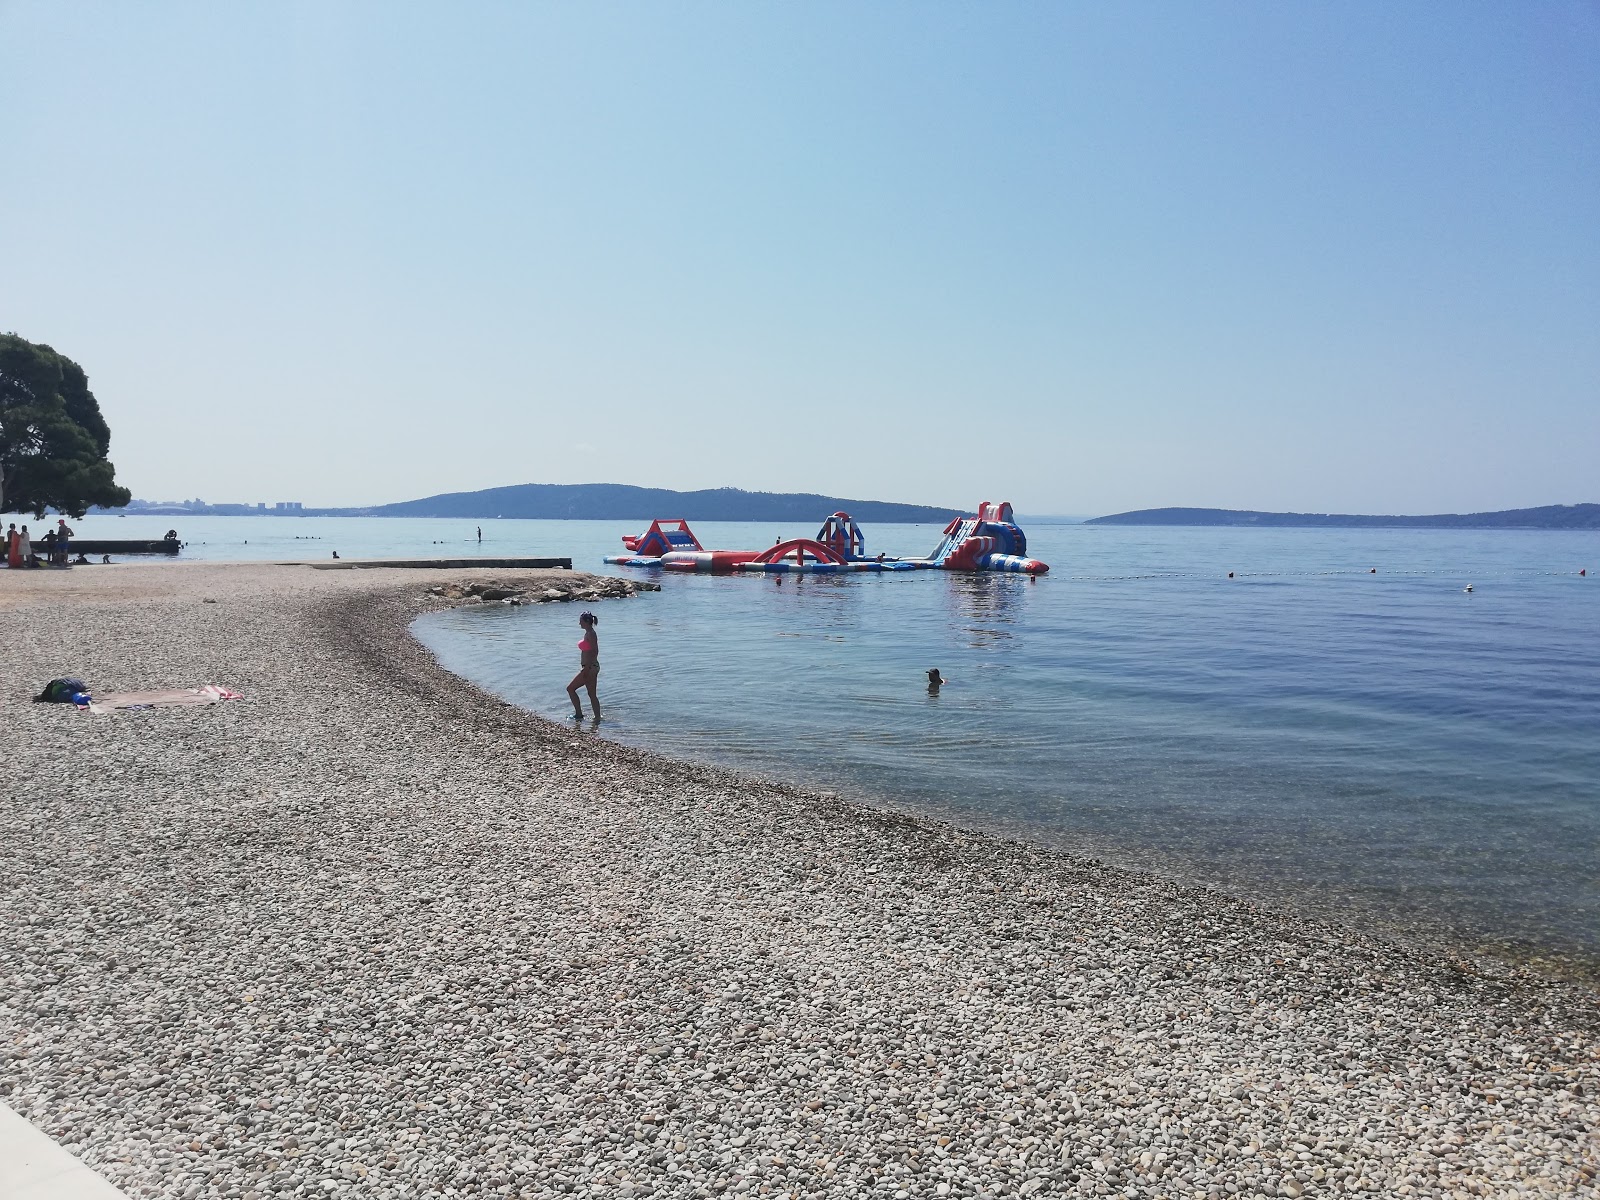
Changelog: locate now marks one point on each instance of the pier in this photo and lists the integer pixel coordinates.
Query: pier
(351, 564)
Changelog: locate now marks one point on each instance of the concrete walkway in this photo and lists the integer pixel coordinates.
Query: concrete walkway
(32, 1167)
(354, 564)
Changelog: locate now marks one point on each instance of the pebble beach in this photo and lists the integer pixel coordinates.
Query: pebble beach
(370, 931)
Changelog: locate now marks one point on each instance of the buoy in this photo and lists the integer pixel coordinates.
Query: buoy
(1583, 571)
(1230, 574)
(1373, 571)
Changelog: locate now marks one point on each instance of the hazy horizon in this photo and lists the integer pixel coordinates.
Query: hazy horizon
(1088, 259)
(1036, 515)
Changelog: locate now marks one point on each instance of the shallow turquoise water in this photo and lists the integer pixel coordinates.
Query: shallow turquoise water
(1384, 744)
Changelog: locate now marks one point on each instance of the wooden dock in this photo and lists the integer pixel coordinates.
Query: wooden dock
(102, 546)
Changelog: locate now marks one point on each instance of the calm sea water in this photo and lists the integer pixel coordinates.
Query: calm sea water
(1384, 746)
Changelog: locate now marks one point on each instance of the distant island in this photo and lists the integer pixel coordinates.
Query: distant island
(1551, 516)
(586, 502)
(622, 502)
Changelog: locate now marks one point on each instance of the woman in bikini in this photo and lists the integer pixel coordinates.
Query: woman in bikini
(588, 675)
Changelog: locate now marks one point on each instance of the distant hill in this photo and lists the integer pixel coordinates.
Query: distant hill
(621, 502)
(1551, 516)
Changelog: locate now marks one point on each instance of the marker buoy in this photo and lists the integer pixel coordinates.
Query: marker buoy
(1584, 571)
(1230, 574)
(1373, 571)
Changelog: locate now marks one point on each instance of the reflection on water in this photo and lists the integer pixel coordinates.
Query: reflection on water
(1383, 742)
(982, 605)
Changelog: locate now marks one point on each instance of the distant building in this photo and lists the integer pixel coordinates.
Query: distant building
(288, 506)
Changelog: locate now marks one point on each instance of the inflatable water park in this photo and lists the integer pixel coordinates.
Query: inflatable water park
(989, 541)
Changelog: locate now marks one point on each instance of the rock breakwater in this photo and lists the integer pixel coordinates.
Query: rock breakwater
(556, 588)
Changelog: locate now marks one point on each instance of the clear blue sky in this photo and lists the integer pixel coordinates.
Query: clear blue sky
(1088, 257)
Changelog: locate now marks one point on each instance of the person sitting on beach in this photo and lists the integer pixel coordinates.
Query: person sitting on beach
(82, 560)
(588, 675)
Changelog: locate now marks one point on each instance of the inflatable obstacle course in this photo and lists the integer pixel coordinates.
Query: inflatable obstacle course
(988, 541)
(668, 536)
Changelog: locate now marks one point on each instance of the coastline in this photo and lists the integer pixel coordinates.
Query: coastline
(373, 931)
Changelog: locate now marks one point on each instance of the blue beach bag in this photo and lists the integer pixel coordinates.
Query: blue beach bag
(64, 691)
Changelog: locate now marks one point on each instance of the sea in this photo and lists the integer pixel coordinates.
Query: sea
(1397, 729)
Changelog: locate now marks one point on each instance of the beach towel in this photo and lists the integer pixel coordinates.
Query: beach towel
(171, 698)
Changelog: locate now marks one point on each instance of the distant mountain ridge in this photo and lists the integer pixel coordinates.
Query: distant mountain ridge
(623, 502)
(1551, 516)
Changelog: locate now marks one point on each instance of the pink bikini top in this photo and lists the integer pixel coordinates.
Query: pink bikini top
(585, 645)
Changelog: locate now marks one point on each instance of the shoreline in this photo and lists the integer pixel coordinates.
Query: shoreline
(1485, 957)
(436, 941)
(1351, 914)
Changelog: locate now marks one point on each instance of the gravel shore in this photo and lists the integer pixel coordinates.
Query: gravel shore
(371, 932)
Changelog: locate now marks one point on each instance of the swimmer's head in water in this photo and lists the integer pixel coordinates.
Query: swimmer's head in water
(934, 677)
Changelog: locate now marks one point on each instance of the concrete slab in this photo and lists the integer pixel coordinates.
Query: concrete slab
(33, 1167)
(352, 564)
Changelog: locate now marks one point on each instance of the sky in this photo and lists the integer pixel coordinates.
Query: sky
(1085, 257)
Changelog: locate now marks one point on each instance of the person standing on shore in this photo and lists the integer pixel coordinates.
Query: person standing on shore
(63, 533)
(13, 554)
(25, 547)
(588, 675)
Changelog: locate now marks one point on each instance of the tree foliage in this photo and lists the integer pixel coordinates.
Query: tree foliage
(53, 439)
